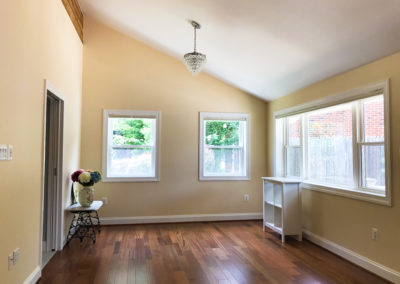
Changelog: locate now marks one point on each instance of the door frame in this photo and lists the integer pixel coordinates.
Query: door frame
(59, 233)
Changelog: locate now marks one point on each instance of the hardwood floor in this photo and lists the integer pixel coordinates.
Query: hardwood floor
(215, 252)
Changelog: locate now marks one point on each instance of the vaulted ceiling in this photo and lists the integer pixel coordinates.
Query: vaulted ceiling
(268, 48)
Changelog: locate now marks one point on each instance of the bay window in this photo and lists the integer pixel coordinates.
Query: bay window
(339, 144)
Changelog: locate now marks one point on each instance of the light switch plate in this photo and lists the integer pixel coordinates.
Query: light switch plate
(3, 152)
(15, 256)
(10, 152)
(10, 261)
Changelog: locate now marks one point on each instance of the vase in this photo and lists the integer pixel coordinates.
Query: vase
(76, 187)
(85, 196)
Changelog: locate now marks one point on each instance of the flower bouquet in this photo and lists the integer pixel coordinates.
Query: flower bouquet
(83, 185)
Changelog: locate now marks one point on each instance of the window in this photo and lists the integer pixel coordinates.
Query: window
(224, 146)
(338, 144)
(372, 144)
(131, 145)
(293, 146)
(330, 145)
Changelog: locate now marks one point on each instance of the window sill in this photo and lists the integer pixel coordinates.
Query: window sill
(350, 193)
(129, 179)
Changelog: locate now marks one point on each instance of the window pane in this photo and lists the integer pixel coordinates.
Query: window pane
(294, 128)
(135, 162)
(223, 133)
(373, 119)
(293, 161)
(279, 147)
(330, 153)
(132, 131)
(224, 162)
(373, 166)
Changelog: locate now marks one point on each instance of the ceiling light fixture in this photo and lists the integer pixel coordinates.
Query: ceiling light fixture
(195, 61)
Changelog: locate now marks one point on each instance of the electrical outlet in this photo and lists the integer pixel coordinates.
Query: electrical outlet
(105, 200)
(374, 233)
(10, 261)
(246, 197)
(15, 256)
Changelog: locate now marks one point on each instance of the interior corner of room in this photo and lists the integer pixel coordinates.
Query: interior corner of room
(237, 142)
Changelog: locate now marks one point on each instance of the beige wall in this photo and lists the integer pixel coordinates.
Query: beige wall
(122, 73)
(38, 41)
(345, 221)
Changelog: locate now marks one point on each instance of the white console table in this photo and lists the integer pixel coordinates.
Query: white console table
(282, 206)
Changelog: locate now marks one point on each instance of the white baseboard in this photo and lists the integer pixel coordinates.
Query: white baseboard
(366, 263)
(34, 276)
(179, 218)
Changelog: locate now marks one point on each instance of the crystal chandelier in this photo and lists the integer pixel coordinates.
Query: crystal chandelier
(195, 61)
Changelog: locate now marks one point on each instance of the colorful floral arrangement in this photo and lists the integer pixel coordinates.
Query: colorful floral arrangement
(86, 177)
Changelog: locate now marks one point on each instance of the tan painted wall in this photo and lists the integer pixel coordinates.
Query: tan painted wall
(38, 41)
(122, 73)
(345, 221)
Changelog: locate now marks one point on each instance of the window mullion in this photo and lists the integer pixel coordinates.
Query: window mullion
(131, 146)
(285, 144)
(224, 147)
(371, 143)
(305, 145)
(356, 127)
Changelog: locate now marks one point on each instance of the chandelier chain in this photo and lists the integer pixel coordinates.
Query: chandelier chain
(195, 38)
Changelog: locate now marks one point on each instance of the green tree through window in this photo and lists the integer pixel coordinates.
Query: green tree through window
(132, 131)
(222, 133)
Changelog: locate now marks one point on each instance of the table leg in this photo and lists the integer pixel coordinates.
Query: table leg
(90, 224)
(81, 227)
(98, 224)
(73, 227)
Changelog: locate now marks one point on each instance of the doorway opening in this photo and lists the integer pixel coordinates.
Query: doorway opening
(52, 214)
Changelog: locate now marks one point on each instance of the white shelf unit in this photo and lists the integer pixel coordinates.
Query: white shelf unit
(282, 206)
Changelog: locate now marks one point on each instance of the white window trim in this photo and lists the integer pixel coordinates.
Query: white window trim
(131, 113)
(381, 87)
(223, 116)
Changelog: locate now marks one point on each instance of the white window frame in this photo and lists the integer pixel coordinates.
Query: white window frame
(107, 143)
(356, 192)
(224, 116)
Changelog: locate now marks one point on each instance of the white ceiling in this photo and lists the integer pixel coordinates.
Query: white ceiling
(265, 47)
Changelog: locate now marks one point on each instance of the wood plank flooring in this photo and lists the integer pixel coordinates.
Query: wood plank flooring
(214, 252)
